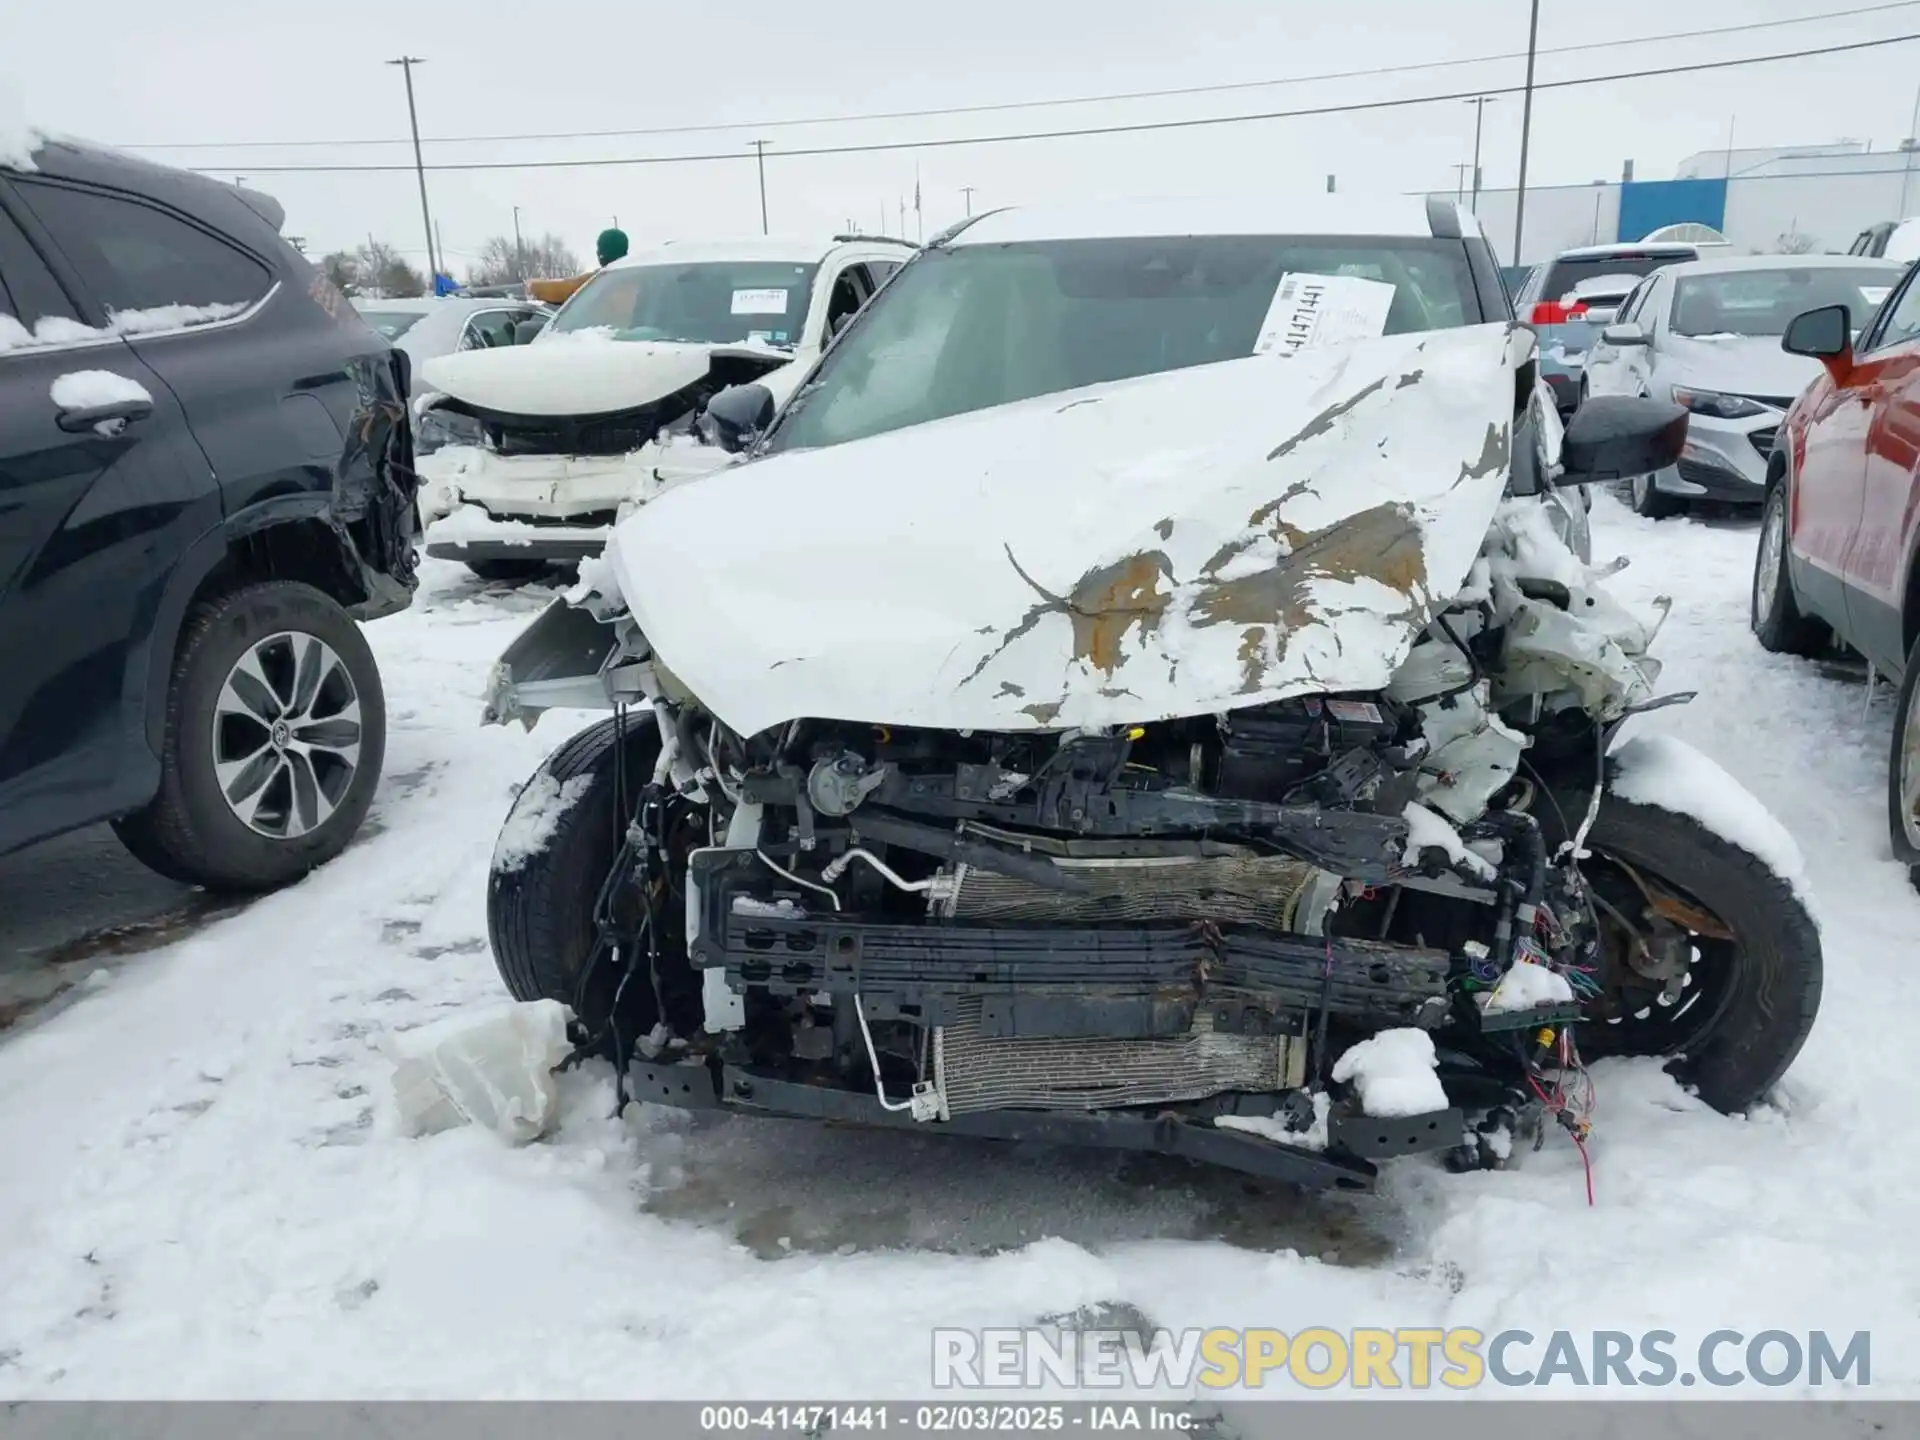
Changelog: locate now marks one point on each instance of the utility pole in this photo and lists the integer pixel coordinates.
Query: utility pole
(967, 190)
(903, 217)
(439, 244)
(519, 250)
(760, 159)
(1913, 140)
(1460, 183)
(406, 64)
(1526, 134)
(1479, 103)
(1728, 168)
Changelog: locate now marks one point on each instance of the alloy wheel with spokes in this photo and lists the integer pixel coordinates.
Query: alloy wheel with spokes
(275, 734)
(286, 735)
(1766, 567)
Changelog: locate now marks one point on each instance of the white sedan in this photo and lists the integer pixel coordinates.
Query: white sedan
(1706, 335)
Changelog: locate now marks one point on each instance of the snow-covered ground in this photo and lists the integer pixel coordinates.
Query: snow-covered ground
(202, 1194)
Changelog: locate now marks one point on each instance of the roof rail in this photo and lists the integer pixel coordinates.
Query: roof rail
(1443, 219)
(876, 239)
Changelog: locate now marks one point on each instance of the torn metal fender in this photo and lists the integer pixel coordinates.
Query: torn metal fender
(1178, 544)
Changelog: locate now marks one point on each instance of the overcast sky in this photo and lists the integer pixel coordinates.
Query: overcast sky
(225, 71)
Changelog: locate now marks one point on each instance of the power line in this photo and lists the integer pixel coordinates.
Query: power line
(1136, 127)
(1003, 106)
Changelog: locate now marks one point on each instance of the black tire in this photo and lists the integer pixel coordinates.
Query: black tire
(1767, 1000)
(540, 904)
(1903, 768)
(188, 832)
(510, 571)
(1780, 627)
(1648, 500)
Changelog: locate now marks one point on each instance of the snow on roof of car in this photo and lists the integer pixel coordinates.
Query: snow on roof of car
(1254, 214)
(775, 248)
(1726, 263)
(1628, 247)
(433, 304)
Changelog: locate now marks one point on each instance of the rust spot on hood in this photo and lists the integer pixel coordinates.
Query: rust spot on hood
(1104, 604)
(1382, 543)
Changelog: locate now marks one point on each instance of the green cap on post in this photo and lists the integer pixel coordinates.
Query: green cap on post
(611, 246)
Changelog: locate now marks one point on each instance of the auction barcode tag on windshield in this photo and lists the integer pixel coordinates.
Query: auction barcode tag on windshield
(1313, 310)
(760, 302)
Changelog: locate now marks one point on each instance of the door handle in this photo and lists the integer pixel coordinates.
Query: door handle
(117, 416)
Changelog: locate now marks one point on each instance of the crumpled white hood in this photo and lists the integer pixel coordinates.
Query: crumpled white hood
(1180, 544)
(575, 375)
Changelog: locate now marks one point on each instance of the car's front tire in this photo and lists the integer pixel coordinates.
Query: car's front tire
(276, 729)
(557, 846)
(1774, 611)
(1650, 501)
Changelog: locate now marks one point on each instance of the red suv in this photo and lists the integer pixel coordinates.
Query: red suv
(1839, 552)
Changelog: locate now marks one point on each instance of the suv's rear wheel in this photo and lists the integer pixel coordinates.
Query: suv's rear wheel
(1777, 622)
(275, 732)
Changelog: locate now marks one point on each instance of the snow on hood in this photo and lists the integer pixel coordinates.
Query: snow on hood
(582, 378)
(1179, 544)
(1737, 364)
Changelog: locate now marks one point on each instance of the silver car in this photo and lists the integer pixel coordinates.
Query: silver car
(1707, 336)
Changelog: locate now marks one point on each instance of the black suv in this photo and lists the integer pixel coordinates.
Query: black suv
(206, 477)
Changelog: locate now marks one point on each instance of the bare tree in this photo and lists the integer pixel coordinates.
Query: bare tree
(383, 269)
(1794, 243)
(502, 263)
(343, 270)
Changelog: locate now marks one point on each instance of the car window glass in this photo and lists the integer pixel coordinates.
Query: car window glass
(981, 325)
(489, 329)
(850, 291)
(880, 270)
(391, 324)
(28, 291)
(1902, 322)
(1630, 307)
(137, 257)
(1763, 301)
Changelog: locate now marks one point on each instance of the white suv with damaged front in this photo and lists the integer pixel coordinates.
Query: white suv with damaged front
(537, 448)
(1140, 693)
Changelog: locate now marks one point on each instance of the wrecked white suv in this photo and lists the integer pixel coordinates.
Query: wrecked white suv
(1147, 702)
(555, 435)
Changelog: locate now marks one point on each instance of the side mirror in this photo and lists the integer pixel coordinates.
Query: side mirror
(1625, 336)
(1825, 335)
(1616, 437)
(735, 416)
(525, 330)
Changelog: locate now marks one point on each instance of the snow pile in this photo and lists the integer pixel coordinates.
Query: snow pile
(1523, 543)
(170, 317)
(1670, 774)
(1393, 1071)
(1526, 986)
(492, 1067)
(1429, 830)
(1272, 1127)
(95, 389)
(18, 139)
(534, 819)
(596, 578)
(58, 330)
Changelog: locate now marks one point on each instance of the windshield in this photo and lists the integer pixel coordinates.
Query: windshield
(1762, 302)
(979, 325)
(720, 303)
(391, 324)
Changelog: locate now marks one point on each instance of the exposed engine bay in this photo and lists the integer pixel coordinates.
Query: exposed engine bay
(1162, 936)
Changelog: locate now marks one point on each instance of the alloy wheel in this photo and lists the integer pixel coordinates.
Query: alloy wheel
(1766, 573)
(286, 735)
